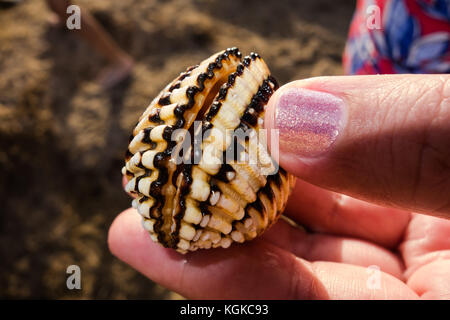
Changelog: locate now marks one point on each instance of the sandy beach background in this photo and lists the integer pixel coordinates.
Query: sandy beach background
(63, 138)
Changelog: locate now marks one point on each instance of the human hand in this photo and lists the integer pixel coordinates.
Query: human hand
(392, 147)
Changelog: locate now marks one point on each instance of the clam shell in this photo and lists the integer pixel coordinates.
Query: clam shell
(196, 163)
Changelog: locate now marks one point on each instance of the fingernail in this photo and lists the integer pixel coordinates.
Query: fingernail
(309, 122)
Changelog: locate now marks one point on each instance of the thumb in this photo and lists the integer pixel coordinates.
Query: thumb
(381, 138)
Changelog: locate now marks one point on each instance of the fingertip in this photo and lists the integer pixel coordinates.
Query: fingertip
(124, 181)
(269, 115)
(119, 229)
(352, 135)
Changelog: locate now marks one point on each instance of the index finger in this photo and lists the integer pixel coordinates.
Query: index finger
(253, 270)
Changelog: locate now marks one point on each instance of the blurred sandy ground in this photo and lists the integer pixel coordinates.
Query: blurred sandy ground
(62, 139)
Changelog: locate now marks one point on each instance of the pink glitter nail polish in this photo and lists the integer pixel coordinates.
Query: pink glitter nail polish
(308, 121)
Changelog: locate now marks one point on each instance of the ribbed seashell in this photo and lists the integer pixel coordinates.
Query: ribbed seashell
(188, 192)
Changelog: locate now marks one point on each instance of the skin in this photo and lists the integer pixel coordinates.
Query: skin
(342, 234)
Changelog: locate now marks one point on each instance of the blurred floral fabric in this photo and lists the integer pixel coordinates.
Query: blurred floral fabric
(399, 36)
